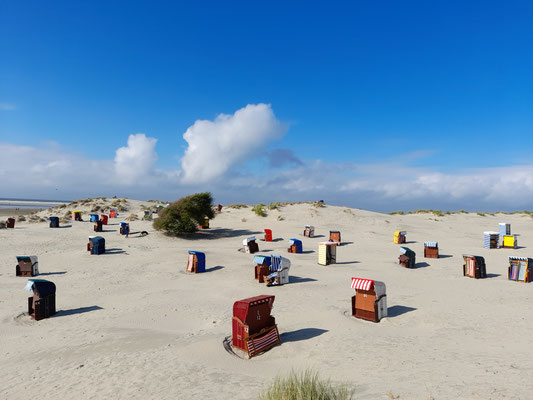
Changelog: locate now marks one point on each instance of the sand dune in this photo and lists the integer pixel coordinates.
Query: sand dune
(132, 324)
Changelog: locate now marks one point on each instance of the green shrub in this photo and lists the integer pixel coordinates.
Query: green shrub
(480, 214)
(259, 210)
(132, 217)
(237, 206)
(396, 213)
(306, 386)
(274, 206)
(184, 215)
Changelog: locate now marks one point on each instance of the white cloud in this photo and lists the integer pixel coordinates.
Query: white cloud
(136, 161)
(214, 146)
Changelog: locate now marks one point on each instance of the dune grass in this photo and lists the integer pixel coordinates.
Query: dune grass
(306, 386)
(259, 209)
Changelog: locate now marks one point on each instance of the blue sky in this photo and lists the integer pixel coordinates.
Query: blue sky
(438, 89)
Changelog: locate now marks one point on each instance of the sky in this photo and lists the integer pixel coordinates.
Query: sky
(382, 105)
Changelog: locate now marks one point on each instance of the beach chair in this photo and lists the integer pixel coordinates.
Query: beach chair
(295, 246)
(27, 266)
(490, 240)
(335, 236)
(98, 226)
(124, 228)
(10, 223)
(113, 213)
(407, 258)
(250, 245)
(96, 245)
(254, 329)
(268, 235)
(520, 269)
(262, 267)
(195, 262)
(76, 215)
(219, 207)
(54, 222)
(431, 250)
(309, 231)
(400, 237)
(327, 253)
(94, 217)
(474, 266)
(509, 241)
(279, 271)
(370, 299)
(43, 302)
(103, 218)
(205, 224)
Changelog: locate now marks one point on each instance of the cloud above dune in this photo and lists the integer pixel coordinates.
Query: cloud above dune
(215, 146)
(136, 161)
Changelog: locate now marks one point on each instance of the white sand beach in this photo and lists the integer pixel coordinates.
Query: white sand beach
(131, 324)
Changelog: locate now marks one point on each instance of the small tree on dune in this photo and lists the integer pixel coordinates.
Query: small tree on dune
(184, 215)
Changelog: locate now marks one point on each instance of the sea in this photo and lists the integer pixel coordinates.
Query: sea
(30, 203)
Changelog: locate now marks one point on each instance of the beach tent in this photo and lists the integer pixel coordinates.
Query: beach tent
(27, 266)
(76, 215)
(335, 236)
(327, 253)
(103, 218)
(10, 223)
(98, 226)
(94, 217)
(431, 250)
(295, 246)
(279, 271)
(262, 264)
(124, 228)
(520, 269)
(504, 229)
(43, 302)
(250, 245)
(195, 262)
(254, 329)
(54, 222)
(400, 237)
(509, 241)
(474, 266)
(96, 245)
(268, 235)
(113, 213)
(370, 299)
(490, 239)
(309, 231)
(407, 258)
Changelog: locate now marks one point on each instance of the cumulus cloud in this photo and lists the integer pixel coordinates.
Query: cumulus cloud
(214, 146)
(136, 161)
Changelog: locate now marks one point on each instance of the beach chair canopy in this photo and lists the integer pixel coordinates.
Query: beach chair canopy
(310, 226)
(369, 284)
(431, 244)
(262, 260)
(199, 255)
(408, 252)
(54, 218)
(40, 287)
(296, 242)
(248, 240)
(76, 212)
(96, 239)
(241, 307)
(279, 263)
(328, 243)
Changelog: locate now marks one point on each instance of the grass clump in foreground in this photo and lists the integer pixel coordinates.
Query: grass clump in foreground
(306, 386)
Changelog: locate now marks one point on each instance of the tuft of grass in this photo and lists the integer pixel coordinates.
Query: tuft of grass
(306, 386)
(259, 210)
(481, 214)
(274, 206)
(280, 218)
(96, 209)
(132, 217)
(237, 206)
(438, 213)
(21, 218)
(396, 213)
(147, 217)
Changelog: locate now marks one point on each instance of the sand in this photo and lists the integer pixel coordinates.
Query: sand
(131, 324)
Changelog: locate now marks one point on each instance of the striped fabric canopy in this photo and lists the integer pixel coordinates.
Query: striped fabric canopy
(518, 258)
(362, 284)
(431, 244)
(261, 343)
